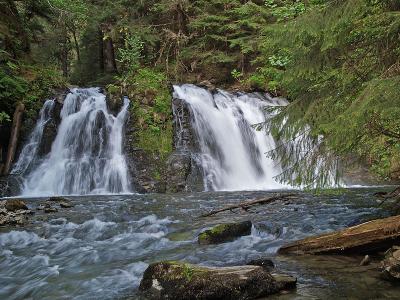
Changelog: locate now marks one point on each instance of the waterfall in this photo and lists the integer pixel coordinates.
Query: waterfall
(29, 153)
(86, 156)
(231, 153)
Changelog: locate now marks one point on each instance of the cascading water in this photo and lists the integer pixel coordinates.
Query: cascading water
(29, 154)
(231, 153)
(86, 156)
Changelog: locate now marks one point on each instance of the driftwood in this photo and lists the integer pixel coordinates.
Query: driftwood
(12, 146)
(247, 204)
(365, 238)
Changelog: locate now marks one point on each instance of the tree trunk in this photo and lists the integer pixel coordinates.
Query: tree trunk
(110, 66)
(78, 52)
(365, 238)
(16, 126)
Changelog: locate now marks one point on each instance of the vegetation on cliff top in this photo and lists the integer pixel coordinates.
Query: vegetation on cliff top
(336, 61)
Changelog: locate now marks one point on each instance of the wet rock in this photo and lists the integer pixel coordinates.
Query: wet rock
(175, 280)
(178, 169)
(49, 209)
(224, 233)
(14, 205)
(57, 199)
(266, 263)
(66, 204)
(391, 264)
(18, 217)
(366, 261)
(10, 185)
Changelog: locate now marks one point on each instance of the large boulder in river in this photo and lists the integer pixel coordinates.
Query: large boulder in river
(224, 233)
(365, 238)
(175, 280)
(391, 264)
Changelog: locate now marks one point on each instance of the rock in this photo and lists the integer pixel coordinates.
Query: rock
(15, 204)
(178, 169)
(18, 217)
(65, 204)
(175, 280)
(368, 237)
(57, 199)
(224, 233)
(391, 264)
(50, 209)
(10, 185)
(266, 263)
(366, 261)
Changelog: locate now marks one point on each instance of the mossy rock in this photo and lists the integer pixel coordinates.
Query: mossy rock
(224, 233)
(176, 280)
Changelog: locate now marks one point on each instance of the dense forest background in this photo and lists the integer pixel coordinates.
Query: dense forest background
(337, 61)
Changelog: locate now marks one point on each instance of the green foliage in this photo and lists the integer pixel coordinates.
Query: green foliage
(342, 76)
(131, 54)
(151, 108)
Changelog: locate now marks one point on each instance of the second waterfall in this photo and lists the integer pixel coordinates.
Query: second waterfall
(230, 152)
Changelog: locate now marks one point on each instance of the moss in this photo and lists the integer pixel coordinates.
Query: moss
(224, 233)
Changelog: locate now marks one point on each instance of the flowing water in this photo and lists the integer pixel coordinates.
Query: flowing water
(100, 248)
(232, 154)
(86, 156)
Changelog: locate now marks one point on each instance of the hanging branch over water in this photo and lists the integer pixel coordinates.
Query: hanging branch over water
(249, 203)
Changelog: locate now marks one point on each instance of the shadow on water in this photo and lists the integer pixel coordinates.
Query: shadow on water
(101, 247)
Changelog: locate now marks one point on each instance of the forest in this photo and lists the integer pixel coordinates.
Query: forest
(199, 149)
(336, 61)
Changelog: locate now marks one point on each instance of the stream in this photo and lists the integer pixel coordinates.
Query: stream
(100, 248)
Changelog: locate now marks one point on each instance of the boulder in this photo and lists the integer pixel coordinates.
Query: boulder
(176, 280)
(17, 217)
(366, 238)
(66, 204)
(224, 233)
(391, 264)
(14, 205)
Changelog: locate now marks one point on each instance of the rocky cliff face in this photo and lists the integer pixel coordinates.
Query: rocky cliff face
(182, 171)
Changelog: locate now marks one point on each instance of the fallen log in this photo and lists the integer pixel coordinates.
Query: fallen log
(365, 238)
(247, 204)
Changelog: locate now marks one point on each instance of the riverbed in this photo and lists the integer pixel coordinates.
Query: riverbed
(100, 248)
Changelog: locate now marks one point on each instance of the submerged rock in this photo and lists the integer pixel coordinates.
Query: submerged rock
(224, 233)
(266, 263)
(66, 204)
(391, 264)
(57, 199)
(176, 280)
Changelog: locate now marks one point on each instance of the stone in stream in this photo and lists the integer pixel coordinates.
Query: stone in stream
(176, 280)
(224, 233)
(15, 213)
(66, 204)
(391, 264)
(365, 238)
(14, 205)
(266, 263)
